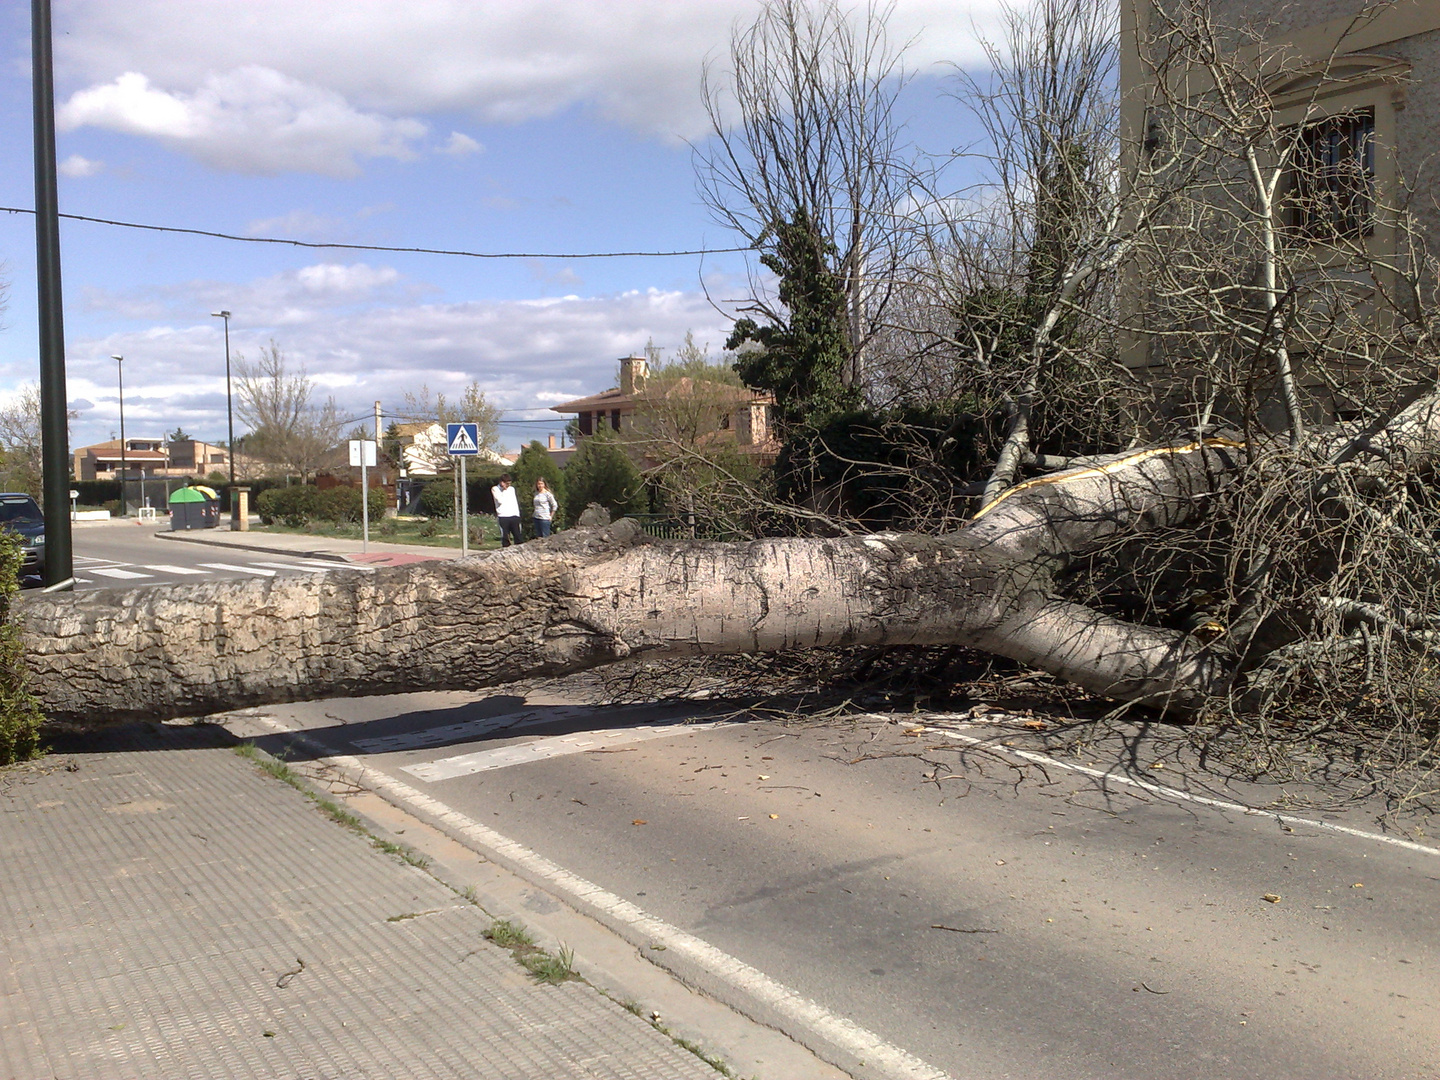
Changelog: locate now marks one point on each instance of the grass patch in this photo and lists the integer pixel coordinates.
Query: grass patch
(431, 532)
(545, 967)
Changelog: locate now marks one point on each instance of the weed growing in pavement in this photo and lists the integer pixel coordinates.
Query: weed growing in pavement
(554, 967)
(633, 1007)
(401, 852)
(409, 915)
(282, 772)
(509, 935)
(546, 967)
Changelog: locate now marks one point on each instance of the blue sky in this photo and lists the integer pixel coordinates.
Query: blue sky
(545, 125)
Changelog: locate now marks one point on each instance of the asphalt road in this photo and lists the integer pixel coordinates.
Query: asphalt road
(112, 555)
(990, 914)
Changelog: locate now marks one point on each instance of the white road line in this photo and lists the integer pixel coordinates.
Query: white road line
(113, 572)
(166, 568)
(470, 729)
(543, 749)
(238, 569)
(839, 1031)
(1166, 792)
(316, 567)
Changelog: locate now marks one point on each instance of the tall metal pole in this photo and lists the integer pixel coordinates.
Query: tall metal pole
(464, 512)
(120, 378)
(54, 428)
(229, 403)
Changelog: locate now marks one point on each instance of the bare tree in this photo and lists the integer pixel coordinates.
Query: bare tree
(20, 442)
(286, 427)
(805, 161)
(425, 405)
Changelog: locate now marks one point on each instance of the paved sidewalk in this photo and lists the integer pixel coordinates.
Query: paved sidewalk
(312, 547)
(172, 911)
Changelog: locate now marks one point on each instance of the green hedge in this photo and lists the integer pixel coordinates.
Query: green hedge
(345, 505)
(292, 507)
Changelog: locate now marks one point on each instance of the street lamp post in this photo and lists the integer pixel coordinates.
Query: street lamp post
(120, 379)
(229, 406)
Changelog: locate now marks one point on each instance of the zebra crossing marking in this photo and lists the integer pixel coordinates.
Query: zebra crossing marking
(239, 569)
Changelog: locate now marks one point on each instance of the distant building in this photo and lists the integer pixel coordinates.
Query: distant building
(423, 450)
(153, 456)
(742, 416)
(196, 458)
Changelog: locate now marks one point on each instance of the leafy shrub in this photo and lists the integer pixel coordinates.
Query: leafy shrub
(344, 505)
(293, 507)
(437, 499)
(20, 715)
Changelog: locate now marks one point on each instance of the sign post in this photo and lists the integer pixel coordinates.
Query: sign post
(362, 453)
(463, 441)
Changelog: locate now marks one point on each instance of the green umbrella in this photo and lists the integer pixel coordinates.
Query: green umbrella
(187, 495)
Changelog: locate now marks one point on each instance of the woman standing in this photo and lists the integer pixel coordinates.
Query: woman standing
(545, 507)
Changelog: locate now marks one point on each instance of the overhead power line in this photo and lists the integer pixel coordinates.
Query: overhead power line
(401, 250)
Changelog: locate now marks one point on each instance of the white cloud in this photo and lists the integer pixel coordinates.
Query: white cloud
(460, 144)
(301, 223)
(79, 167)
(251, 119)
(526, 354)
(292, 70)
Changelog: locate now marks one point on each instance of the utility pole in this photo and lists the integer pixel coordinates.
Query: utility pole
(54, 428)
(120, 381)
(377, 439)
(229, 403)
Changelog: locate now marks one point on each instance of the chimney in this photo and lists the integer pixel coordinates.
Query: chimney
(633, 370)
(552, 442)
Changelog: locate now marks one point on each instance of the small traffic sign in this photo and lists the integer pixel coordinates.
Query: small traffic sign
(362, 452)
(462, 440)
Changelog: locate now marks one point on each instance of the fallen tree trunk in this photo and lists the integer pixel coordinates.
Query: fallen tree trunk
(592, 597)
(589, 598)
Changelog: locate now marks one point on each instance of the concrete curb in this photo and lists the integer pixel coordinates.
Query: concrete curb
(332, 556)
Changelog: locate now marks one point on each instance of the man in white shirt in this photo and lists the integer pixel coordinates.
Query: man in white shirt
(507, 511)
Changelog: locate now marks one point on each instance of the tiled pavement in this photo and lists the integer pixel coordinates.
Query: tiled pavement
(171, 911)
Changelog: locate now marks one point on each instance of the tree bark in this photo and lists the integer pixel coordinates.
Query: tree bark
(589, 598)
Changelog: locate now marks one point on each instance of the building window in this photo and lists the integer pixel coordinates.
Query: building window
(615, 419)
(586, 427)
(1332, 191)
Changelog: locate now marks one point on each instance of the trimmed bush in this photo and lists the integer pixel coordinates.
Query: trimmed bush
(437, 499)
(345, 505)
(293, 507)
(97, 492)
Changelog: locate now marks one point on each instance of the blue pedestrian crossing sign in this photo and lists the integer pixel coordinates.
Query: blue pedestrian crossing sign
(462, 440)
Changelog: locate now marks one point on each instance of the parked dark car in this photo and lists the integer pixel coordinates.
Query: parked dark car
(19, 513)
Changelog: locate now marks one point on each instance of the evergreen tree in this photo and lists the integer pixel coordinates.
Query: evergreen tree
(536, 463)
(802, 360)
(602, 472)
